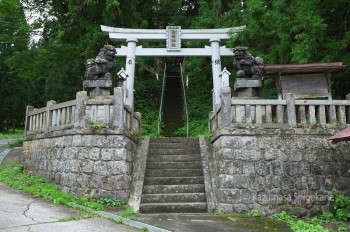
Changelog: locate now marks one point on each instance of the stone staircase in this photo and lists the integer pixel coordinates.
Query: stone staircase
(174, 181)
(173, 105)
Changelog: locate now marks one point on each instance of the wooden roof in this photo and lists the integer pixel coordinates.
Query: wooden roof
(343, 135)
(271, 70)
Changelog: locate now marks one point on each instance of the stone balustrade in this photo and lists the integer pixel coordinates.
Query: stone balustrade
(269, 113)
(104, 111)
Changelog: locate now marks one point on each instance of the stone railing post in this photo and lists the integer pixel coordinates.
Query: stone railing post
(48, 122)
(118, 107)
(80, 109)
(210, 124)
(226, 116)
(138, 129)
(348, 110)
(27, 121)
(291, 112)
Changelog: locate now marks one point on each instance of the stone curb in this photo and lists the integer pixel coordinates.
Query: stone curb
(126, 221)
(3, 154)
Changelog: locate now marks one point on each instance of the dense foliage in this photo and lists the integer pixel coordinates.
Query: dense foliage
(280, 31)
(14, 37)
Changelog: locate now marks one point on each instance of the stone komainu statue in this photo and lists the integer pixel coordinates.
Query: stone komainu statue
(103, 65)
(246, 64)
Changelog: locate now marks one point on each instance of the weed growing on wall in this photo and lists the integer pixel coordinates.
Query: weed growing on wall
(341, 205)
(217, 212)
(95, 126)
(255, 213)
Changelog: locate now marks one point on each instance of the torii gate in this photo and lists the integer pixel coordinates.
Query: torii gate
(173, 36)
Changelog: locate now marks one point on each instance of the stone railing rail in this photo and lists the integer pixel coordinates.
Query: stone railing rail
(277, 113)
(108, 111)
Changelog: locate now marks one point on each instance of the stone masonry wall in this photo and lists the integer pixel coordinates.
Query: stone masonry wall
(278, 169)
(85, 165)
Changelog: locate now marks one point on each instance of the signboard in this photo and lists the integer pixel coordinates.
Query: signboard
(305, 85)
(173, 38)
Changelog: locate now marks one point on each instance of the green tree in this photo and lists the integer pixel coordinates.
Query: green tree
(295, 31)
(14, 37)
(282, 31)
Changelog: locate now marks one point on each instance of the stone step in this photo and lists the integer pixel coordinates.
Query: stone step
(172, 145)
(188, 188)
(173, 180)
(175, 140)
(173, 172)
(182, 207)
(171, 119)
(173, 113)
(174, 165)
(173, 158)
(173, 197)
(180, 151)
(174, 106)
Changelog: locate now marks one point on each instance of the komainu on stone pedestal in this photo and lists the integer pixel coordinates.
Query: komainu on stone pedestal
(103, 65)
(249, 77)
(246, 64)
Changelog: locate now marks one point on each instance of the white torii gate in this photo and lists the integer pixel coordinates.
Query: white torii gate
(173, 35)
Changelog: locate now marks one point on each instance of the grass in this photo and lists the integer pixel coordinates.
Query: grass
(15, 143)
(314, 224)
(129, 213)
(118, 221)
(18, 134)
(76, 217)
(111, 202)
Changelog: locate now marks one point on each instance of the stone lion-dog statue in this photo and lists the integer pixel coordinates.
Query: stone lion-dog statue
(246, 64)
(103, 65)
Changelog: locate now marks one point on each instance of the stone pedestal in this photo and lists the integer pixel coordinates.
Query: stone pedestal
(246, 93)
(247, 87)
(98, 87)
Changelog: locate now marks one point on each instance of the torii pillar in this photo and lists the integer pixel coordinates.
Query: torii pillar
(130, 70)
(216, 69)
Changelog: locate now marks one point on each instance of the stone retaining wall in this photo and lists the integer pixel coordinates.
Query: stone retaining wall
(278, 169)
(85, 164)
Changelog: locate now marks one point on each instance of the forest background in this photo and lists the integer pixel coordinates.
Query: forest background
(52, 68)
